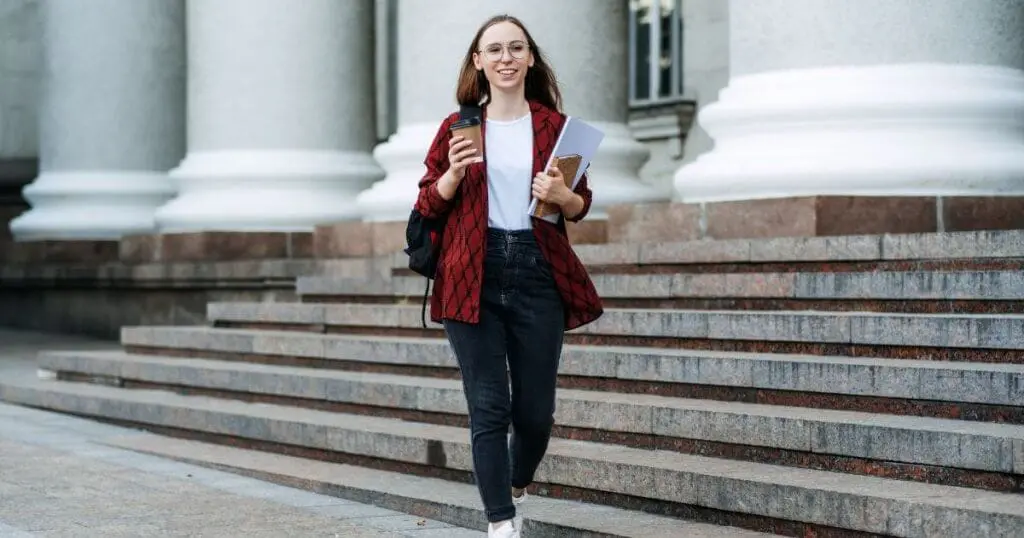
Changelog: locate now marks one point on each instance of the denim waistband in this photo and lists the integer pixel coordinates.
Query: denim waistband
(497, 235)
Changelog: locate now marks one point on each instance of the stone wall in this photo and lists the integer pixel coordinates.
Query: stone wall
(96, 287)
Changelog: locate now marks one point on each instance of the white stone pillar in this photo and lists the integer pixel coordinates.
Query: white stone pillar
(588, 46)
(591, 66)
(21, 62)
(430, 46)
(111, 119)
(281, 115)
(867, 97)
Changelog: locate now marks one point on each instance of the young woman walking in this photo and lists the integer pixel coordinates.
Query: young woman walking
(508, 285)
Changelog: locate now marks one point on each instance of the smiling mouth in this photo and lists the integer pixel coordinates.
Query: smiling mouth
(507, 71)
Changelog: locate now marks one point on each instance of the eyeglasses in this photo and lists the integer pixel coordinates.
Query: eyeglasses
(516, 49)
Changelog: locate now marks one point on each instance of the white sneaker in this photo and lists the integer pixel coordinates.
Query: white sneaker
(520, 511)
(507, 529)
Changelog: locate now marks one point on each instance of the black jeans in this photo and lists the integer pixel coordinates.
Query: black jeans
(521, 322)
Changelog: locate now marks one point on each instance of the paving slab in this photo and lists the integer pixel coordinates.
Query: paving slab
(58, 478)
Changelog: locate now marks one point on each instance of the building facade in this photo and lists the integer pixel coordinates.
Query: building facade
(306, 113)
(261, 115)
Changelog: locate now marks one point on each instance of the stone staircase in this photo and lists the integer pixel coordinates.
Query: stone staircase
(826, 387)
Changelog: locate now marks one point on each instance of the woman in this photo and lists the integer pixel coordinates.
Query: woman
(507, 286)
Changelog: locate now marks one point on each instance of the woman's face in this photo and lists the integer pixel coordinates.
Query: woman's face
(504, 56)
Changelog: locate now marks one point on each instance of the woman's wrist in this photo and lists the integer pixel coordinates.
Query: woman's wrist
(572, 205)
(447, 184)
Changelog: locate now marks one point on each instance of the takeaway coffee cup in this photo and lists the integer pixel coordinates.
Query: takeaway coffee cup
(470, 129)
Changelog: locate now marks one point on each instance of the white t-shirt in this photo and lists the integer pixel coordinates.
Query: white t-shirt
(509, 173)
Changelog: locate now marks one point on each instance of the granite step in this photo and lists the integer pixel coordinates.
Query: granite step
(442, 500)
(988, 338)
(785, 500)
(982, 250)
(971, 454)
(792, 288)
(960, 390)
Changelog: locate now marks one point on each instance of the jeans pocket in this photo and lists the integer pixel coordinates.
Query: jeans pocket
(541, 266)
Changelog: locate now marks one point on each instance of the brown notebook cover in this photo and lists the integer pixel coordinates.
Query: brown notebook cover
(568, 165)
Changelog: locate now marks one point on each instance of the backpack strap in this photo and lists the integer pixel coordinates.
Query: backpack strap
(426, 295)
(469, 111)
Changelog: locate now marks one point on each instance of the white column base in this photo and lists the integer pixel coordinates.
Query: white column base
(93, 205)
(613, 174)
(896, 130)
(402, 158)
(289, 191)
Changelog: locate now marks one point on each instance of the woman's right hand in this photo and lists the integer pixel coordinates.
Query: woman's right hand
(460, 155)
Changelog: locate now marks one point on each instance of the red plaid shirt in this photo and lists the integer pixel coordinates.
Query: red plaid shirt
(460, 271)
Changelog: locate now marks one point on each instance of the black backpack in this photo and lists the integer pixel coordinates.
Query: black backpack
(423, 236)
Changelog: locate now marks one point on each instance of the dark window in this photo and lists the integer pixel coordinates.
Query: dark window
(655, 51)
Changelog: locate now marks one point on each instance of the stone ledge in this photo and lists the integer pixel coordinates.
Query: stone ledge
(812, 216)
(587, 232)
(215, 246)
(384, 241)
(372, 239)
(90, 252)
(358, 239)
(194, 274)
(163, 248)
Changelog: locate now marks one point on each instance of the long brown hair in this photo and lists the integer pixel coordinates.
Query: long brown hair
(541, 83)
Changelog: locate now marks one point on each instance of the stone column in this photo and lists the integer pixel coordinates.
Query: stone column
(281, 115)
(591, 61)
(591, 66)
(20, 69)
(866, 97)
(111, 120)
(430, 46)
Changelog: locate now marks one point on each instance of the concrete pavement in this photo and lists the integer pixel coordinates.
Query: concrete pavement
(59, 479)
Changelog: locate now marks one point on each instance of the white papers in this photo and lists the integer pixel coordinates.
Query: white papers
(577, 138)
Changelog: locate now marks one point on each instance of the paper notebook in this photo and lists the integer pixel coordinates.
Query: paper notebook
(575, 148)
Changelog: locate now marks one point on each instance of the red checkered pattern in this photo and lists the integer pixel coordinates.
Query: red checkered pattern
(460, 272)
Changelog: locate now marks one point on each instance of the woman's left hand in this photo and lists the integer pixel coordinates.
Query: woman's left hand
(550, 187)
